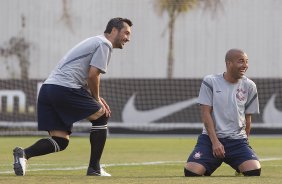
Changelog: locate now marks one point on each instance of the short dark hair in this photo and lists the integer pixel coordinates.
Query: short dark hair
(117, 23)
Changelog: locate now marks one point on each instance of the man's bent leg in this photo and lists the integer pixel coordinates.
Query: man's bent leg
(250, 168)
(57, 142)
(194, 169)
(97, 114)
(255, 172)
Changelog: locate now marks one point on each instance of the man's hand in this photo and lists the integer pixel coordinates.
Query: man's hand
(105, 106)
(218, 150)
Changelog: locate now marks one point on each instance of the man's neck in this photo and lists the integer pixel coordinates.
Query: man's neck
(108, 36)
(229, 78)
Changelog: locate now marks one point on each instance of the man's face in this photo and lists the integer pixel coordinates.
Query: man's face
(122, 36)
(239, 65)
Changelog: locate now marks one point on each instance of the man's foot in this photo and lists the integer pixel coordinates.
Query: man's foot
(92, 172)
(19, 161)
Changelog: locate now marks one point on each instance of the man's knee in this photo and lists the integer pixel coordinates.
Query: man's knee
(101, 120)
(100, 123)
(97, 114)
(255, 172)
(60, 143)
(188, 173)
(194, 169)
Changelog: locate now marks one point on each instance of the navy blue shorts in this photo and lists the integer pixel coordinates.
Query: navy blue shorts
(59, 107)
(237, 151)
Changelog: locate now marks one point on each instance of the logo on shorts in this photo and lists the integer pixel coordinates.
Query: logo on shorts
(197, 155)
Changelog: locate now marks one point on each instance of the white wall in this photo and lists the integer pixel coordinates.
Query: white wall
(201, 39)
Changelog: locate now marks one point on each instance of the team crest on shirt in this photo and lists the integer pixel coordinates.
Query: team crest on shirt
(241, 94)
(197, 155)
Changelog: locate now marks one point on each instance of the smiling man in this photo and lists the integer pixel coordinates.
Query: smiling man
(227, 102)
(72, 93)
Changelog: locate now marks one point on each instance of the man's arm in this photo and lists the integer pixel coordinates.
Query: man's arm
(94, 82)
(218, 149)
(248, 124)
(94, 86)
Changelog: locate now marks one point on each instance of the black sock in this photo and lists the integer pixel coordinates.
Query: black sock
(45, 146)
(97, 140)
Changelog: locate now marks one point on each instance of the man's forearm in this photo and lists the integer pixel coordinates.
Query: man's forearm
(94, 88)
(94, 83)
(209, 125)
(248, 124)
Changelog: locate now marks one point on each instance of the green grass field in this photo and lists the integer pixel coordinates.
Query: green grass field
(152, 160)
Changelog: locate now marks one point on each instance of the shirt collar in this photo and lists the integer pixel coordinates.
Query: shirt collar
(102, 37)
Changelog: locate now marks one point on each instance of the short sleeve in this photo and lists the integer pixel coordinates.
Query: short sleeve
(252, 104)
(206, 92)
(101, 57)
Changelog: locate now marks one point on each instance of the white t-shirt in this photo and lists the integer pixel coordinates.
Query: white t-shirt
(230, 102)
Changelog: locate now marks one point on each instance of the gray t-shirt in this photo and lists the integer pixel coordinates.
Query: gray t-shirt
(72, 70)
(229, 102)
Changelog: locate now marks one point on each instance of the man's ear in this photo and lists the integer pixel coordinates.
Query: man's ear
(114, 30)
(228, 62)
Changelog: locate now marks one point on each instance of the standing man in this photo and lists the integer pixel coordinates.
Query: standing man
(227, 101)
(71, 93)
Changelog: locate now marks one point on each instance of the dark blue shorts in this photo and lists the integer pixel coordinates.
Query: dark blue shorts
(59, 107)
(237, 151)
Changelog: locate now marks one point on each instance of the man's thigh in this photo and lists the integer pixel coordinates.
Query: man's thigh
(238, 152)
(203, 154)
(62, 106)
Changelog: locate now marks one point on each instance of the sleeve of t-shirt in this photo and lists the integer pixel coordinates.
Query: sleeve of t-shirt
(101, 57)
(252, 105)
(206, 92)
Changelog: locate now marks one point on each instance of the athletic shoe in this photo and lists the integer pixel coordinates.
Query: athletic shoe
(20, 161)
(238, 173)
(92, 172)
